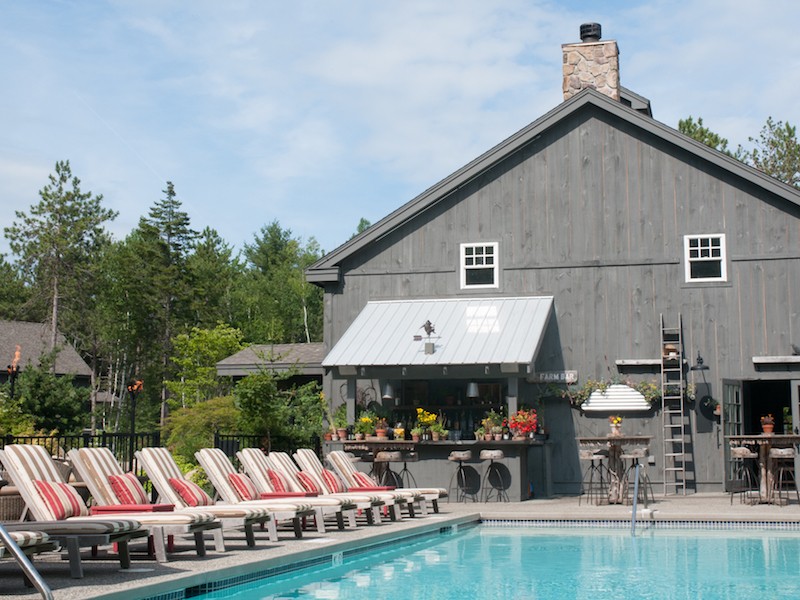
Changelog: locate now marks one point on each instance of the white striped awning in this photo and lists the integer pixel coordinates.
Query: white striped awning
(474, 331)
(616, 397)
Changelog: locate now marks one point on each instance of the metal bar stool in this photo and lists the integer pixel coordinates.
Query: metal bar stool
(463, 490)
(744, 480)
(635, 455)
(406, 477)
(594, 484)
(493, 483)
(782, 466)
(383, 466)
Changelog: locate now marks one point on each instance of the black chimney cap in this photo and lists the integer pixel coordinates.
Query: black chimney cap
(590, 32)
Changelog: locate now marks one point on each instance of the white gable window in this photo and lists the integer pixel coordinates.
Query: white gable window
(704, 257)
(479, 268)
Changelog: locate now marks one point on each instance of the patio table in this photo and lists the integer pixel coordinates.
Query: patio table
(616, 467)
(765, 441)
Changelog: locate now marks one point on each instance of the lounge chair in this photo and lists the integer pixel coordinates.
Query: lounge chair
(238, 488)
(174, 488)
(310, 462)
(115, 491)
(263, 469)
(357, 480)
(60, 512)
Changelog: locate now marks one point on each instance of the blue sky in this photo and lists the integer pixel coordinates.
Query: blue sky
(319, 113)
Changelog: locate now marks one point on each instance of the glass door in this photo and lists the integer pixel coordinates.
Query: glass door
(732, 419)
(795, 400)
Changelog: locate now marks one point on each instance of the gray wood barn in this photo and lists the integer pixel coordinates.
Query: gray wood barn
(645, 240)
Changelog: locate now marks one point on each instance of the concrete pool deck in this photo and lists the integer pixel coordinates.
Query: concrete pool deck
(104, 579)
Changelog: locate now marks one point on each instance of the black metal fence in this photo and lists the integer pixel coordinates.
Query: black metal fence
(123, 445)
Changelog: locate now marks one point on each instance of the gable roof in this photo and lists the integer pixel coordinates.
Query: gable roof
(33, 340)
(307, 358)
(326, 269)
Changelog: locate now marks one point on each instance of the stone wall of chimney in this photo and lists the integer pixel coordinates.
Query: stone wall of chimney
(591, 64)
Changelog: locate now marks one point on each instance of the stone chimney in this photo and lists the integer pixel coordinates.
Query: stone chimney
(591, 63)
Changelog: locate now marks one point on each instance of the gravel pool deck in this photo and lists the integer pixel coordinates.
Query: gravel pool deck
(104, 579)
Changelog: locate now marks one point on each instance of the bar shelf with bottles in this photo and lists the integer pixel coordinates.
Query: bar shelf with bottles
(449, 399)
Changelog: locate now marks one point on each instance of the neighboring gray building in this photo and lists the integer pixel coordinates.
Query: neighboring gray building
(33, 341)
(304, 359)
(611, 219)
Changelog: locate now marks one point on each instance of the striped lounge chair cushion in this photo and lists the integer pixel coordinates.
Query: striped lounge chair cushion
(86, 526)
(332, 482)
(363, 480)
(61, 499)
(244, 486)
(128, 489)
(190, 492)
(277, 482)
(308, 482)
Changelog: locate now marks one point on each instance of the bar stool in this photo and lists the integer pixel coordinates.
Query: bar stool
(406, 477)
(744, 480)
(782, 467)
(492, 483)
(460, 476)
(634, 455)
(383, 464)
(595, 478)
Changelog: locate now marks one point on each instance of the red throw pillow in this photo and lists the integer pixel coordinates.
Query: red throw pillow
(307, 482)
(62, 499)
(276, 481)
(363, 480)
(128, 489)
(191, 493)
(244, 486)
(332, 481)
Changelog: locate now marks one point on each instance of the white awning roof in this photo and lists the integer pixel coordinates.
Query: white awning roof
(616, 397)
(475, 331)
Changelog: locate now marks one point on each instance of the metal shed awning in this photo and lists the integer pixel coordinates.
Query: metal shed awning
(475, 331)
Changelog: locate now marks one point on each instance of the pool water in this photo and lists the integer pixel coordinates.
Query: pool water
(540, 563)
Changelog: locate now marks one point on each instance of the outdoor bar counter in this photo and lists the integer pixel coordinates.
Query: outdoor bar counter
(526, 466)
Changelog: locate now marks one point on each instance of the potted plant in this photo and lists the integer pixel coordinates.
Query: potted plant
(381, 428)
(523, 423)
(616, 424)
(479, 433)
(416, 432)
(768, 423)
(438, 432)
(365, 424)
(340, 421)
(497, 432)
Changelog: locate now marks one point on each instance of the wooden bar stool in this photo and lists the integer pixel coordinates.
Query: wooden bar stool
(594, 484)
(782, 467)
(744, 480)
(493, 483)
(463, 489)
(634, 455)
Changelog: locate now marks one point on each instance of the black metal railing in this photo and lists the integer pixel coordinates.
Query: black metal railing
(123, 445)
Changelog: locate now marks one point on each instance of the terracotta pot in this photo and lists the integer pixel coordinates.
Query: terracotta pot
(328, 436)
(414, 437)
(615, 430)
(768, 427)
(435, 436)
(381, 433)
(342, 433)
(487, 437)
(498, 436)
(360, 436)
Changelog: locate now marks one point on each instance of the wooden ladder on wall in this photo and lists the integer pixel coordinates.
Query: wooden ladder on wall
(676, 427)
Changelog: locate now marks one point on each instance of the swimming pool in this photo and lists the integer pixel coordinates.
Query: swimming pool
(544, 563)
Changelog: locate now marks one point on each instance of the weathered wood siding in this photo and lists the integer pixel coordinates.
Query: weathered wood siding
(594, 213)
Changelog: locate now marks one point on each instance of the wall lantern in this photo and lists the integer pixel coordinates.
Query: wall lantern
(699, 364)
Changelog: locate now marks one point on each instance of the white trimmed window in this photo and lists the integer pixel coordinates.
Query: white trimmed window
(479, 268)
(704, 257)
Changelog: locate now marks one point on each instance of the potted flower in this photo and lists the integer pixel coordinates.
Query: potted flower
(497, 432)
(438, 432)
(365, 424)
(616, 424)
(768, 423)
(523, 423)
(425, 421)
(416, 432)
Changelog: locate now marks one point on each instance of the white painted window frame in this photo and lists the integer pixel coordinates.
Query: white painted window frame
(688, 259)
(495, 266)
